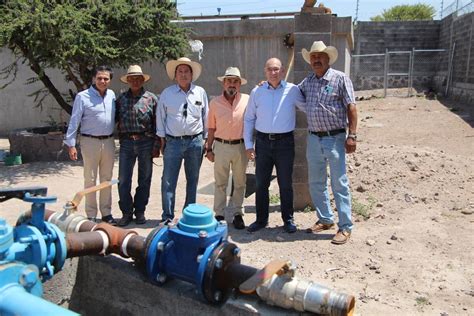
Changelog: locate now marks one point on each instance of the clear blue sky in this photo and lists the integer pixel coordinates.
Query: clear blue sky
(367, 8)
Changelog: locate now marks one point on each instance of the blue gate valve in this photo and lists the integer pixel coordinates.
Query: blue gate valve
(182, 250)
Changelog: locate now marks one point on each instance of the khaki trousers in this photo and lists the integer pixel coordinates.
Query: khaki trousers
(229, 157)
(98, 155)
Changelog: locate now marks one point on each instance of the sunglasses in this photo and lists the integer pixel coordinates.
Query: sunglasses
(185, 110)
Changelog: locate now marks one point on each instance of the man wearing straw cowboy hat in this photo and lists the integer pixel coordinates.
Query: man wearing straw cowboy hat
(182, 125)
(136, 117)
(225, 145)
(332, 124)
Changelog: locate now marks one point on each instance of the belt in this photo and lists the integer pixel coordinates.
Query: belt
(329, 133)
(184, 136)
(98, 137)
(134, 136)
(230, 142)
(274, 136)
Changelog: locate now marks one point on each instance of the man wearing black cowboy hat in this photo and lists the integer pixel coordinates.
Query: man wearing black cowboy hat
(135, 114)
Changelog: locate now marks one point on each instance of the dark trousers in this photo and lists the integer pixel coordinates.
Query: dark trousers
(281, 154)
(130, 152)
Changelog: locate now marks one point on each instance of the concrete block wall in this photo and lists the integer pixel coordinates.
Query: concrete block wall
(431, 69)
(457, 35)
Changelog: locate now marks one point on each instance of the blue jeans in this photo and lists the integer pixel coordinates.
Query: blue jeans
(281, 154)
(130, 152)
(320, 152)
(191, 151)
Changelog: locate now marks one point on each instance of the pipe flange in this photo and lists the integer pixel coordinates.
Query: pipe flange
(216, 286)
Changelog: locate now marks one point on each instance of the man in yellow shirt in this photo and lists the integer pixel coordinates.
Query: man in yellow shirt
(225, 145)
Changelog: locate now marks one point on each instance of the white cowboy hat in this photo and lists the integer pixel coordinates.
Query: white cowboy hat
(233, 72)
(134, 70)
(172, 64)
(320, 47)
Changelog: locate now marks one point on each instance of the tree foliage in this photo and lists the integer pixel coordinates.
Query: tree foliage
(406, 12)
(75, 36)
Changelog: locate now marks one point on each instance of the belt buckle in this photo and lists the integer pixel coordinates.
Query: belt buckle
(271, 137)
(135, 137)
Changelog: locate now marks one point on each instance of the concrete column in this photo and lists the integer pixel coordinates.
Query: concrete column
(334, 31)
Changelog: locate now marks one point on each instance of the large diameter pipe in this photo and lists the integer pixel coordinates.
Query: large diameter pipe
(289, 292)
(16, 301)
(98, 243)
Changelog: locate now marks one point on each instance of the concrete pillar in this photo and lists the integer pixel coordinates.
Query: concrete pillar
(334, 31)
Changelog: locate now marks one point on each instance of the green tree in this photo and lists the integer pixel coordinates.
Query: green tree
(406, 12)
(75, 36)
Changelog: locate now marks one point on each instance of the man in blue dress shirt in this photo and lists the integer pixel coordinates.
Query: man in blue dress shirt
(94, 111)
(271, 111)
(181, 123)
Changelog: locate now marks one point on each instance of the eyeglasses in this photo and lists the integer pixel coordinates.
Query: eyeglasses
(185, 110)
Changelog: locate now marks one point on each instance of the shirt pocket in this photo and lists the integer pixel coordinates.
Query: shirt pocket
(195, 109)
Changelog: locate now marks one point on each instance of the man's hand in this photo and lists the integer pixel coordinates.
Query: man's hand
(250, 154)
(156, 152)
(350, 145)
(210, 156)
(73, 153)
(163, 145)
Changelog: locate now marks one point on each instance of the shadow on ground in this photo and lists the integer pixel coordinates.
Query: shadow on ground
(461, 109)
(13, 175)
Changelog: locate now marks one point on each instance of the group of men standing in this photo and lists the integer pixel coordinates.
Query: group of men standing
(232, 129)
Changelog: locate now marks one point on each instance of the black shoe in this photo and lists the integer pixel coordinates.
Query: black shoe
(125, 220)
(219, 218)
(140, 219)
(238, 222)
(289, 227)
(256, 226)
(109, 220)
(92, 219)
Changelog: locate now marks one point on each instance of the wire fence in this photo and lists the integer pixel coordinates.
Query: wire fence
(400, 73)
(460, 7)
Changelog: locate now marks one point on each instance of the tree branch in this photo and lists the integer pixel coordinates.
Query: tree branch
(35, 66)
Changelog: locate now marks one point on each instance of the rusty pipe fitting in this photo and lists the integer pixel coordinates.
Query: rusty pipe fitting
(86, 243)
(118, 238)
(289, 292)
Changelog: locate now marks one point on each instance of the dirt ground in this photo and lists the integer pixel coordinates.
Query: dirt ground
(412, 248)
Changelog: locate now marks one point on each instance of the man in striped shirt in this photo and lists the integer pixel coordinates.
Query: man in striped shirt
(331, 113)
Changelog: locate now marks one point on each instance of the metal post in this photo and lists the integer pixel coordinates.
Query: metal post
(410, 72)
(385, 74)
(450, 69)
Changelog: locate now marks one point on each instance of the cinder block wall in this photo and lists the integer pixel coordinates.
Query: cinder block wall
(454, 33)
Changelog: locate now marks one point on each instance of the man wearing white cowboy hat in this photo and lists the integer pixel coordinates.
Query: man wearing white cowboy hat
(136, 117)
(331, 113)
(181, 123)
(225, 145)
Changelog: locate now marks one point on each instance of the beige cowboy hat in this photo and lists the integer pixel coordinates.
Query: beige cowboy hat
(320, 47)
(134, 70)
(233, 72)
(172, 64)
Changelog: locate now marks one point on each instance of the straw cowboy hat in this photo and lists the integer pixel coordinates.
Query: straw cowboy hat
(320, 47)
(172, 64)
(233, 72)
(134, 70)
